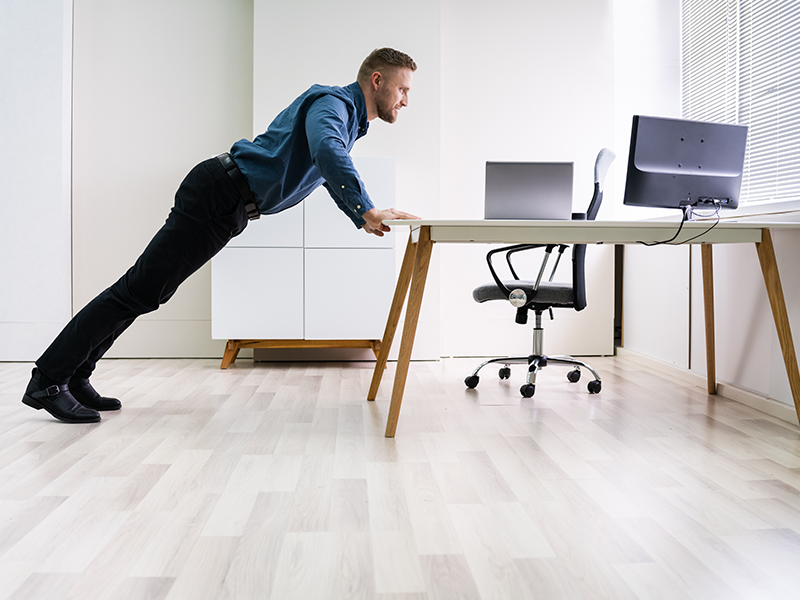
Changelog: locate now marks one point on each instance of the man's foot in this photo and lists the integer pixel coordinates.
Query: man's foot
(57, 400)
(84, 393)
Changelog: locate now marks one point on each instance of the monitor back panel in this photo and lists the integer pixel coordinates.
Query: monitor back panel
(528, 190)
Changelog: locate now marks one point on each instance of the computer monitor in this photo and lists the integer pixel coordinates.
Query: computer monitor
(676, 163)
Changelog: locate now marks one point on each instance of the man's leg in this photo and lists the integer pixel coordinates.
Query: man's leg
(79, 385)
(208, 212)
(85, 370)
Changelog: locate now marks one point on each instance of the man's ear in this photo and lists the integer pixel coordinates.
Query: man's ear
(375, 80)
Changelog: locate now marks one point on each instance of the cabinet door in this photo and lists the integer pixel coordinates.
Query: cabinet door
(326, 226)
(257, 293)
(348, 293)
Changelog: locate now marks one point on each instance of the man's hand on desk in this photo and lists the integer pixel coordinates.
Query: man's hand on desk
(374, 219)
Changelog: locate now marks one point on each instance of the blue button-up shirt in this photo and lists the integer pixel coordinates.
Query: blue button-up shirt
(308, 145)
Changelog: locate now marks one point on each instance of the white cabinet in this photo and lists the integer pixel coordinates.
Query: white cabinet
(307, 277)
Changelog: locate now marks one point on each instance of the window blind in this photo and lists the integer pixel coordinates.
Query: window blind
(740, 63)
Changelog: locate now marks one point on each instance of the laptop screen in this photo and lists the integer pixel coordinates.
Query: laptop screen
(528, 190)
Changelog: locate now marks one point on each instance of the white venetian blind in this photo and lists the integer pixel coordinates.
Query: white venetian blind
(740, 63)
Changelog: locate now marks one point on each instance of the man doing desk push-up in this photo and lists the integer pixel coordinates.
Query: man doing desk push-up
(307, 145)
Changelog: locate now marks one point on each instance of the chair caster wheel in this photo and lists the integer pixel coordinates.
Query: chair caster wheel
(527, 390)
(574, 376)
(504, 373)
(472, 381)
(594, 386)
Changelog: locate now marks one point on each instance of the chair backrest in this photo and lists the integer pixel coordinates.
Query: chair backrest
(601, 165)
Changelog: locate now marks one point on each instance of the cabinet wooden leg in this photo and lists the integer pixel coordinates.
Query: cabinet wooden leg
(400, 291)
(231, 352)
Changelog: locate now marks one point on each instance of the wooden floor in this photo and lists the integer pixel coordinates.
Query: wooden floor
(275, 481)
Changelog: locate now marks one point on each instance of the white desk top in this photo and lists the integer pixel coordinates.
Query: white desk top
(591, 232)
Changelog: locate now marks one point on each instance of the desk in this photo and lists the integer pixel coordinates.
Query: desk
(425, 233)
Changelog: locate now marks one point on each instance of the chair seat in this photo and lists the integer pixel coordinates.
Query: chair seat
(548, 294)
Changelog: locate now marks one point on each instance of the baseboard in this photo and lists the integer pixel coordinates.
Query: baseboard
(779, 410)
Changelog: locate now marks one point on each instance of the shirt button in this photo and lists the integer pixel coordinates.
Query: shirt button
(358, 206)
(342, 187)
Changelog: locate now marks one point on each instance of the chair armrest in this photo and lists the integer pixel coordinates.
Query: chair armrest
(519, 248)
(509, 250)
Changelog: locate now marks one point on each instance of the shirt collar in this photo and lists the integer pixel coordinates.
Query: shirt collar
(361, 108)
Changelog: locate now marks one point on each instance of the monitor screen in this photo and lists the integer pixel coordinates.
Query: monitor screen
(675, 163)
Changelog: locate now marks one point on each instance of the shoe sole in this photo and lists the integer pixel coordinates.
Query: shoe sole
(100, 409)
(27, 400)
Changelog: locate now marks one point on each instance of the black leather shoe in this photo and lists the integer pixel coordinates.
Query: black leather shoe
(58, 401)
(84, 393)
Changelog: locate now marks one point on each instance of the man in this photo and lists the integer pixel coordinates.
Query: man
(307, 145)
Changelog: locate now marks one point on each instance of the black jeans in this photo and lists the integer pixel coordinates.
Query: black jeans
(208, 212)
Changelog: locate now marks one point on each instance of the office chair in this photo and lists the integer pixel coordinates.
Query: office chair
(540, 296)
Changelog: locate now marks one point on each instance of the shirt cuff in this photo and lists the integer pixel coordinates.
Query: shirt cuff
(357, 208)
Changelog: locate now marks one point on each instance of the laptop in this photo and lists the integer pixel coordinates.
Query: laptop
(528, 190)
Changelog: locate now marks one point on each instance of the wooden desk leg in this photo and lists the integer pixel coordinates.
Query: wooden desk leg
(231, 352)
(708, 304)
(769, 268)
(400, 291)
(421, 263)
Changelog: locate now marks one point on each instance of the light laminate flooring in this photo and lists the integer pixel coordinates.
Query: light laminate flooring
(274, 480)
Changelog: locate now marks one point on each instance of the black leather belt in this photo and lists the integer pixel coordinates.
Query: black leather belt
(241, 185)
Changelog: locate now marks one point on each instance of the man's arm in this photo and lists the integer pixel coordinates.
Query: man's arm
(328, 137)
(326, 130)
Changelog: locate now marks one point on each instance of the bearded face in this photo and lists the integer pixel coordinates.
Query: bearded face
(392, 94)
(386, 105)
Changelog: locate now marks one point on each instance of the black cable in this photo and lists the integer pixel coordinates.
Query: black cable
(677, 233)
(685, 210)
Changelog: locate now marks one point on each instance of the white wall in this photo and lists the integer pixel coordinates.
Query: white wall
(35, 57)
(523, 81)
(158, 87)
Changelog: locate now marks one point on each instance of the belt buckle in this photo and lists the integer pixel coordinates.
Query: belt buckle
(252, 211)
